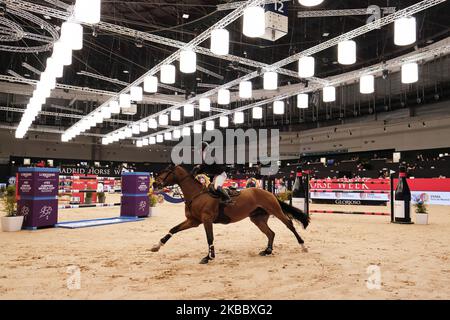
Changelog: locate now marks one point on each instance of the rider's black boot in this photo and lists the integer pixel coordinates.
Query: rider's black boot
(224, 195)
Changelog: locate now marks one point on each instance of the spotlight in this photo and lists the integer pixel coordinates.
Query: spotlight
(424, 124)
(139, 43)
(94, 31)
(385, 74)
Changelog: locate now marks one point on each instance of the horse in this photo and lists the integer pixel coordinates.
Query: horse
(202, 208)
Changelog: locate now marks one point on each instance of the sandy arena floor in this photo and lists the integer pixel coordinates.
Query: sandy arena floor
(115, 261)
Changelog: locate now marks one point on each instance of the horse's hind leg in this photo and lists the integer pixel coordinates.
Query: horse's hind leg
(290, 225)
(260, 220)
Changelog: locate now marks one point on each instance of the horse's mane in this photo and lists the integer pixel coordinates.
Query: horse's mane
(189, 174)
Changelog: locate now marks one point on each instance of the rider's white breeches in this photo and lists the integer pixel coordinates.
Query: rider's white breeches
(219, 180)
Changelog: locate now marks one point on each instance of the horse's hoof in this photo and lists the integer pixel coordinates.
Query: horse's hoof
(205, 260)
(265, 253)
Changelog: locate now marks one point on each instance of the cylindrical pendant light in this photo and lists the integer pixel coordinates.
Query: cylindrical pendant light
(245, 89)
(167, 136)
(135, 129)
(114, 106)
(72, 35)
(163, 120)
(143, 127)
(176, 134)
(220, 42)
(159, 138)
(152, 140)
(175, 115)
(257, 113)
(302, 101)
(329, 94)
(188, 61)
(204, 104)
(209, 125)
(145, 142)
(278, 107)
(367, 84)
(223, 97)
(151, 84)
(124, 100)
(88, 11)
(310, 3)
(270, 80)
(106, 112)
(168, 74)
(152, 123)
(128, 132)
(347, 52)
(136, 93)
(254, 24)
(197, 128)
(223, 122)
(410, 73)
(238, 117)
(139, 143)
(405, 31)
(186, 132)
(188, 110)
(306, 67)
(62, 53)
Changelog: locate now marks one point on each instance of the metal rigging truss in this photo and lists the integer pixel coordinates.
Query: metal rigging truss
(192, 44)
(429, 53)
(342, 12)
(123, 83)
(136, 34)
(420, 6)
(101, 94)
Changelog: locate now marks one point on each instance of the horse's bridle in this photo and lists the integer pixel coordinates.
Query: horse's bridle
(171, 171)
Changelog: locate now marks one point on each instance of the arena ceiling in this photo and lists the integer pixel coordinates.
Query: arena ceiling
(124, 58)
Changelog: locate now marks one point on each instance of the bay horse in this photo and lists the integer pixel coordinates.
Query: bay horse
(201, 207)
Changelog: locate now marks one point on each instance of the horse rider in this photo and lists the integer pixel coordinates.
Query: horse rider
(210, 167)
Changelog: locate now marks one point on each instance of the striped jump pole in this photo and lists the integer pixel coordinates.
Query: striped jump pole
(390, 182)
(93, 205)
(352, 212)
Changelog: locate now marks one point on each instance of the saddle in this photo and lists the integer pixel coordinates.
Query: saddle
(233, 193)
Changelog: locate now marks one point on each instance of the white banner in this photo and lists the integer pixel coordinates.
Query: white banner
(431, 197)
(350, 196)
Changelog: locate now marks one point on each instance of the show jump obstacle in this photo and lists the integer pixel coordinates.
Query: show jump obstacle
(135, 201)
(398, 196)
(38, 199)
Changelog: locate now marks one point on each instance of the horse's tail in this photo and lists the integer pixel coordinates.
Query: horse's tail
(295, 213)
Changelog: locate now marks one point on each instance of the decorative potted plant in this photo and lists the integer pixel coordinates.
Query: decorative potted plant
(153, 201)
(421, 212)
(88, 198)
(101, 197)
(12, 221)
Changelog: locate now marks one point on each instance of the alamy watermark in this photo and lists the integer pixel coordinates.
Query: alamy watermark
(374, 280)
(73, 281)
(236, 147)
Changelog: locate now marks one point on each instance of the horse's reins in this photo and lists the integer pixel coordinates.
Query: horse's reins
(187, 202)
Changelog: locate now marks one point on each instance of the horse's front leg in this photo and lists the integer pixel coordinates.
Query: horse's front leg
(210, 237)
(187, 224)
